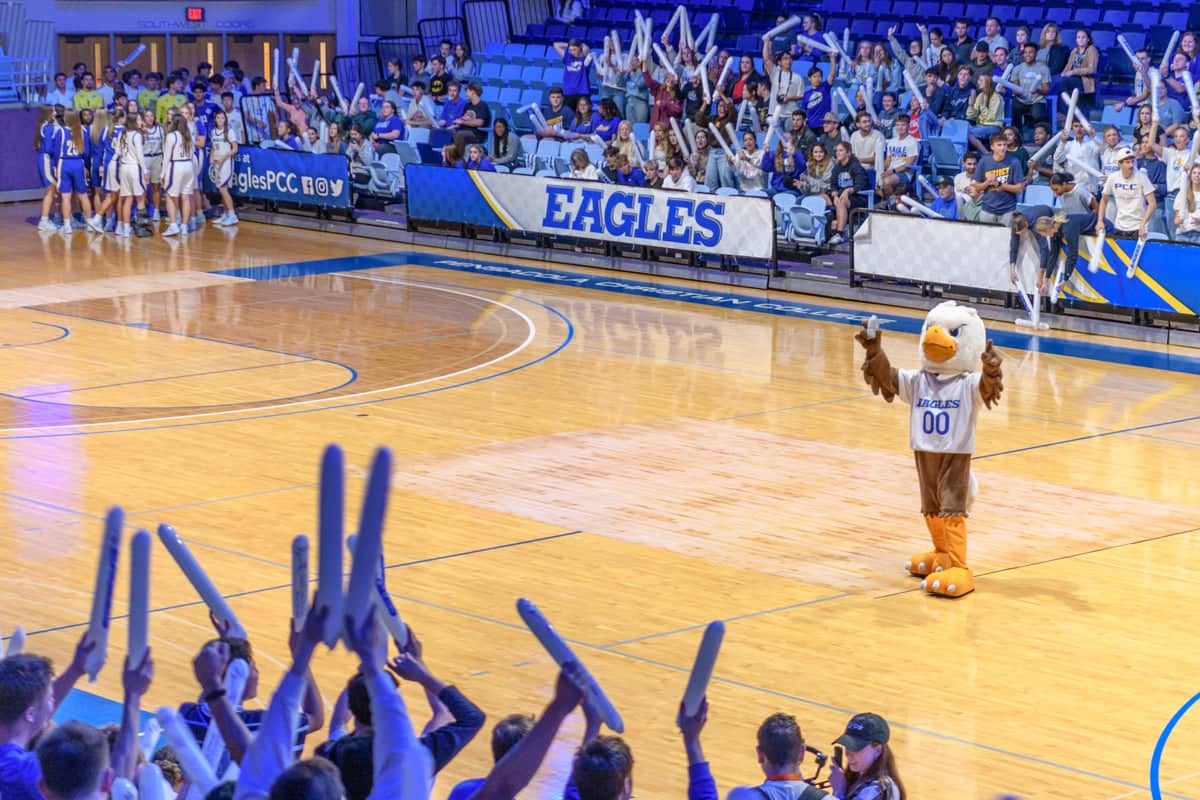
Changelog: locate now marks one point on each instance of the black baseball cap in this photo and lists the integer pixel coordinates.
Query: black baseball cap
(863, 730)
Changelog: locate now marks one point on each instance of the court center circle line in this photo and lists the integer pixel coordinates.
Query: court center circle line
(532, 328)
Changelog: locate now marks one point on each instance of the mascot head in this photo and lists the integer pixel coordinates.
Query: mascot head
(952, 340)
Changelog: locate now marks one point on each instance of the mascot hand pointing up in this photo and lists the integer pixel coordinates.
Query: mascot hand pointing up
(959, 370)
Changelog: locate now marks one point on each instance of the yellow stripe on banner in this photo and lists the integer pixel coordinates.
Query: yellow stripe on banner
(1092, 295)
(491, 201)
(1154, 285)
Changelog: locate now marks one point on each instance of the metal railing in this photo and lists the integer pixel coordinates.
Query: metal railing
(436, 29)
(401, 48)
(487, 21)
(365, 68)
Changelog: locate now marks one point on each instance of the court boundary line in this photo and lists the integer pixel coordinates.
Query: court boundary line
(272, 407)
(65, 333)
(299, 360)
(1088, 437)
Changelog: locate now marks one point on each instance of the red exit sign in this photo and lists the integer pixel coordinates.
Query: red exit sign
(194, 13)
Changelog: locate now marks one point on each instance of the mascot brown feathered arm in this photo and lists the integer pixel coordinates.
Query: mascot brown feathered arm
(877, 370)
(991, 382)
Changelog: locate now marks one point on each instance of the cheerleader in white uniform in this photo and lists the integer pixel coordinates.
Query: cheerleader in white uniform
(199, 131)
(152, 148)
(179, 177)
(223, 148)
(131, 174)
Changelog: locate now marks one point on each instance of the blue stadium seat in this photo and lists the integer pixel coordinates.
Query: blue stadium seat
(535, 51)
(511, 72)
(1176, 20)
(493, 49)
(953, 11)
(1117, 17)
(1104, 39)
(531, 96)
(1110, 116)
(531, 74)
(514, 51)
(490, 93)
(1040, 194)
(956, 131)
(509, 96)
(904, 9)
(489, 70)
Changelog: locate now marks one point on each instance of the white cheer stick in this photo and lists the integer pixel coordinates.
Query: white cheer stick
(16, 642)
(129, 59)
(199, 774)
(872, 327)
(1045, 148)
(1195, 151)
(836, 45)
(724, 74)
(1058, 277)
(705, 87)
(329, 568)
(295, 59)
(845, 40)
(734, 140)
(869, 104)
(150, 782)
(1088, 168)
(275, 73)
(689, 130)
(679, 12)
(841, 94)
(616, 46)
(337, 92)
(295, 73)
(702, 667)
(1007, 84)
(106, 579)
(1074, 110)
(1155, 82)
(1121, 40)
(926, 210)
(1135, 259)
(880, 155)
(647, 39)
(122, 789)
(139, 596)
(360, 597)
(148, 737)
(716, 132)
(1190, 86)
(685, 31)
(358, 92)
(200, 581)
(312, 86)
(917, 93)
(712, 51)
(299, 581)
(1096, 255)
(679, 137)
(926, 185)
(662, 58)
(783, 27)
(558, 649)
(1169, 52)
(813, 44)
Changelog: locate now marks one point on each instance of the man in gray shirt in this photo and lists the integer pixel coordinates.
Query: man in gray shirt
(1029, 105)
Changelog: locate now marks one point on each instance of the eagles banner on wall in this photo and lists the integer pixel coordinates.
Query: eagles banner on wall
(742, 227)
(289, 176)
(952, 253)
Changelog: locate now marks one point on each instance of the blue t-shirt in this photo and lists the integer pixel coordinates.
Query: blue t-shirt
(606, 129)
(451, 110)
(1009, 170)
(390, 124)
(19, 773)
(947, 208)
(467, 789)
(816, 104)
(575, 75)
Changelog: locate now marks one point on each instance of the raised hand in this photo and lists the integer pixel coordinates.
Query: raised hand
(209, 665)
(136, 679)
(691, 726)
(993, 377)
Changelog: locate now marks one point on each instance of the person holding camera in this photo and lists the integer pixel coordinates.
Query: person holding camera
(870, 769)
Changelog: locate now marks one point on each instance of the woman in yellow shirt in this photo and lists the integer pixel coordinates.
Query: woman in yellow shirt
(986, 114)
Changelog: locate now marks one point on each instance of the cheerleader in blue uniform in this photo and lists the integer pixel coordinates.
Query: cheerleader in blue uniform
(49, 120)
(71, 178)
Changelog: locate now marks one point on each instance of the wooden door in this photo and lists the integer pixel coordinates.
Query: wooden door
(91, 50)
(188, 50)
(312, 46)
(253, 52)
(152, 59)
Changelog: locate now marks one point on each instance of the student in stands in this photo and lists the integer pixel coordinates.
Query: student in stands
(1082, 65)
(1078, 149)
(1132, 193)
(505, 736)
(654, 174)
(986, 113)
(946, 201)
(453, 106)
(964, 187)
(637, 93)
(627, 173)
(577, 62)
(1001, 179)
(478, 160)
(697, 163)
(870, 772)
(787, 86)
(439, 79)
(363, 117)
(668, 97)
(360, 153)
(819, 176)
(58, 94)
(848, 181)
(172, 99)
(678, 178)
(1185, 214)
(900, 161)
(421, 112)
(420, 69)
(610, 118)
(476, 118)
(506, 146)
(30, 693)
(582, 168)
(87, 96)
(389, 129)
(748, 163)
(866, 142)
(586, 120)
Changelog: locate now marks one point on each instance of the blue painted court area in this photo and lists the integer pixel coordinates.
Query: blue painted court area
(92, 709)
(715, 298)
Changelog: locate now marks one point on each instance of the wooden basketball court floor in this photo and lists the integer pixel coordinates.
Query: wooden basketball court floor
(636, 463)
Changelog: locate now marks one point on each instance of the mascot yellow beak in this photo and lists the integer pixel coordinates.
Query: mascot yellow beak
(939, 346)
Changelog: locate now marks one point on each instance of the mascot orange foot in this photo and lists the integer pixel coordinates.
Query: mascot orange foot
(959, 370)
